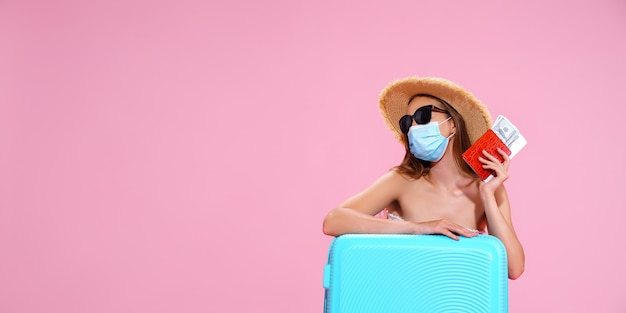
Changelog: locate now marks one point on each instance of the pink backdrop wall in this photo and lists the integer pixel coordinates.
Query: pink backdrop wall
(179, 156)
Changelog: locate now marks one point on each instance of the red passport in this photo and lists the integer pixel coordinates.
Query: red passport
(490, 142)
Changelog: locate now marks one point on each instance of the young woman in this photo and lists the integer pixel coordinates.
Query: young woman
(433, 191)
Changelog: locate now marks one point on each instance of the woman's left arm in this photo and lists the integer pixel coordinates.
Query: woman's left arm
(498, 212)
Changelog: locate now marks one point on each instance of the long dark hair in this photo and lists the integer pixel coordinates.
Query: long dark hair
(415, 168)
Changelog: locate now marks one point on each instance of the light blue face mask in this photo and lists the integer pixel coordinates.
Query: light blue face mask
(426, 142)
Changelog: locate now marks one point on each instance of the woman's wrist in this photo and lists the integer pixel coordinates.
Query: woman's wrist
(414, 228)
(486, 195)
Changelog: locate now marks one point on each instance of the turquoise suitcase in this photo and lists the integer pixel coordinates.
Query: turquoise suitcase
(415, 273)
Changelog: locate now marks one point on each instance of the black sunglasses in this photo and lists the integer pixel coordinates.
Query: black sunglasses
(421, 116)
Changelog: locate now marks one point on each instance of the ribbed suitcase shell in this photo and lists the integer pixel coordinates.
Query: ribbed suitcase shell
(415, 273)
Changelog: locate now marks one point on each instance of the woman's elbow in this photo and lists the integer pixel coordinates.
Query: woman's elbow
(515, 273)
(328, 225)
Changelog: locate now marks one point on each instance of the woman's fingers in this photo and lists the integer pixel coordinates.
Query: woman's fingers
(491, 157)
(446, 228)
(450, 234)
(466, 232)
(452, 230)
(505, 157)
(492, 163)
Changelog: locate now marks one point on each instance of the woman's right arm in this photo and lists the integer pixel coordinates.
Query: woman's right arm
(356, 215)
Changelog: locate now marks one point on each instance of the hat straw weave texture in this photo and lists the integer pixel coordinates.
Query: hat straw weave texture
(394, 100)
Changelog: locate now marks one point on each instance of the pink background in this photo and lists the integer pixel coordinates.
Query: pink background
(179, 156)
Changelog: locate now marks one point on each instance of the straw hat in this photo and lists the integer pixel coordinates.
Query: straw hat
(394, 100)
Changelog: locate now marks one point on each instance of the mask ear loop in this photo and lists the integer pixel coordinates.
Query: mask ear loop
(446, 121)
(449, 117)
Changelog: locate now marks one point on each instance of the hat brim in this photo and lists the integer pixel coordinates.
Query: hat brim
(394, 99)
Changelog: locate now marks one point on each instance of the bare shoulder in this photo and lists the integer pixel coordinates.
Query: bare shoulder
(393, 179)
(395, 184)
(391, 184)
(384, 191)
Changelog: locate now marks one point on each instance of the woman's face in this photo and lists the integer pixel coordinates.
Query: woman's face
(446, 128)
